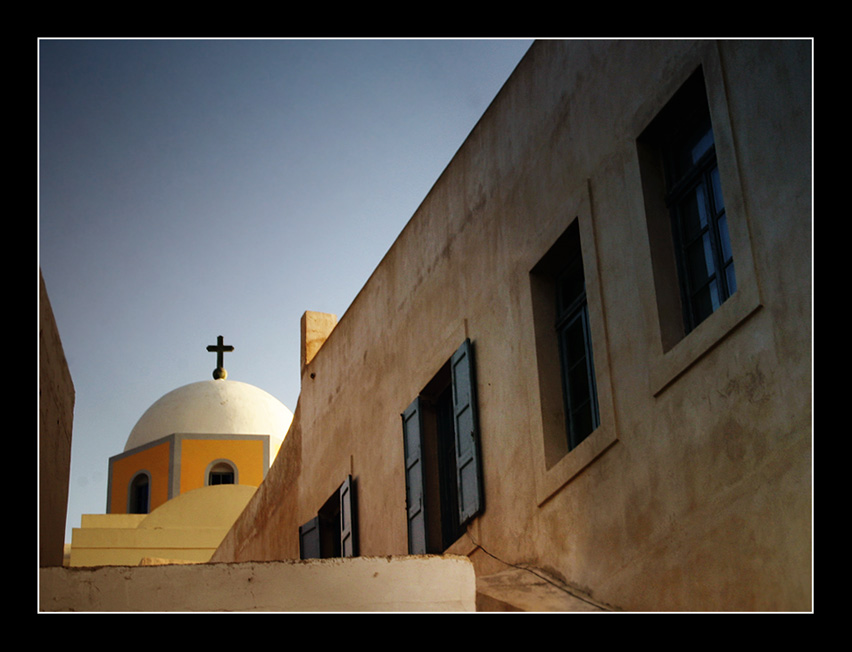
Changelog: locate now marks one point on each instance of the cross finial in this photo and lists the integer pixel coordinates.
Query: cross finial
(219, 349)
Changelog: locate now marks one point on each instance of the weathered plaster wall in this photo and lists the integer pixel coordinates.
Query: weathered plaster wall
(56, 415)
(695, 492)
(256, 534)
(418, 584)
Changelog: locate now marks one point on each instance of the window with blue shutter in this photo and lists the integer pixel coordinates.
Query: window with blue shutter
(414, 480)
(466, 433)
(442, 462)
(348, 522)
(333, 532)
(309, 539)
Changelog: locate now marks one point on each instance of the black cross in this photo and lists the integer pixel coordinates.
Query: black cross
(219, 349)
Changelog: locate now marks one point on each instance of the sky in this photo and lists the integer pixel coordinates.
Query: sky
(196, 188)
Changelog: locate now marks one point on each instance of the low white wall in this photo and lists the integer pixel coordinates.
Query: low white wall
(415, 583)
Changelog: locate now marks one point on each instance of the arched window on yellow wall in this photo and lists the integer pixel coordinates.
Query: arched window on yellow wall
(139, 494)
(221, 472)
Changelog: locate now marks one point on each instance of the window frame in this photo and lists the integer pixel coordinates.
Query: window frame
(212, 468)
(333, 532)
(556, 465)
(679, 348)
(691, 123)
(132, 497)
(574, 311)
(443, 471)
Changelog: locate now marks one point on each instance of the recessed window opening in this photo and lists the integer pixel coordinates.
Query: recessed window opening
(333, 532)
(699, 222)
(139, 494)
(442, 468)
(329, 524)
(579, 388)
(566, 364)
(440, 458)
(221, 473)
(681, 137)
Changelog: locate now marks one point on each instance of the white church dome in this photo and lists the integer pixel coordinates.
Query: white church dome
(214, 407)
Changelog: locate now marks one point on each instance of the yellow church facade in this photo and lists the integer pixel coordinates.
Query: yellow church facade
(147, 477)
(190, 466)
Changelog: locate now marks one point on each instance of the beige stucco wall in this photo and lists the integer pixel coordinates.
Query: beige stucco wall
(56, 415)
(359, 584)
(694, 494)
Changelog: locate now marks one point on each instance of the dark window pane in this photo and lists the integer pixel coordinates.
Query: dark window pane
(699, 262)
(221, 477)
(684, 135)
(579, 384)
(572, 285)
(575, 346)
(731, 278)
(578, 377)
(584, 423)
(704, 302)
(689, 147)
(701, 145)
(139, 493)
(575, 342)
(693, 214)
(725, 239)
(718, 199)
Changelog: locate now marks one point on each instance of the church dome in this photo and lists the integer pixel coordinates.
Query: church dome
(214, 407)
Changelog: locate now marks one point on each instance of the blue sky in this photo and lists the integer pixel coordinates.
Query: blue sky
(196, 188)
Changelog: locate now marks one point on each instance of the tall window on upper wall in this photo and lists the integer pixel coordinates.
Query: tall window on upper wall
(683, 143)
(575, 344)
(564, 345)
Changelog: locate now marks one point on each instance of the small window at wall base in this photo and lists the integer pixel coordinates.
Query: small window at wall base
(681, 140)
(333, 532)
(443, 479)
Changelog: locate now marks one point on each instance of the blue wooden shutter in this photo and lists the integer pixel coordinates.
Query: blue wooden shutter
(412, 432)
(309, 539)
(348, 529)
(466, 425)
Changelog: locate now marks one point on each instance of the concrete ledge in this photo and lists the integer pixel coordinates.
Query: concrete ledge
(414, 583)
